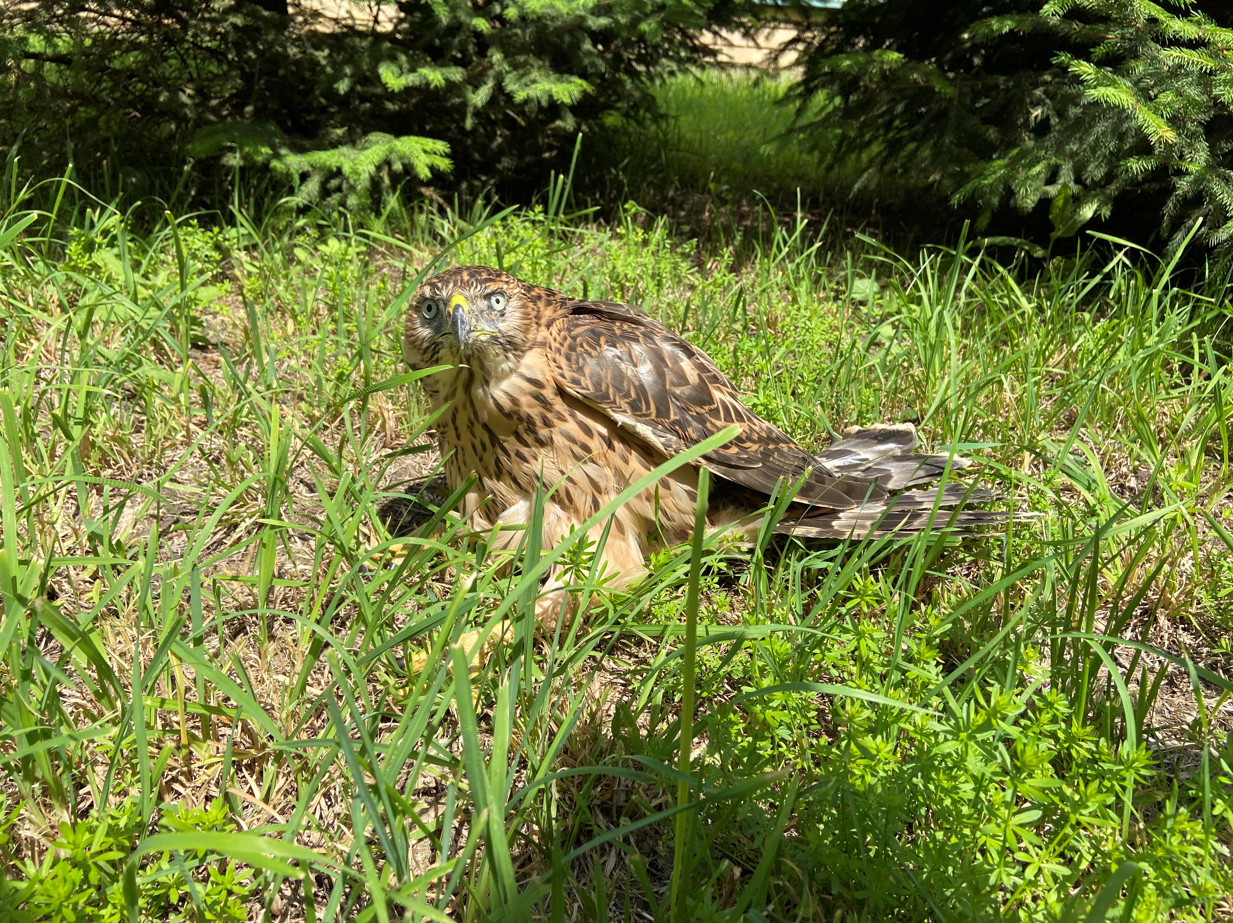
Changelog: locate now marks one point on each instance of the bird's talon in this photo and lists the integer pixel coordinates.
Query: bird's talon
(383, 559)
(477, 645)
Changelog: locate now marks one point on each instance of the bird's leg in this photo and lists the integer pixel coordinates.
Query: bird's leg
(622, 559)
(508, 535)
(622, 562)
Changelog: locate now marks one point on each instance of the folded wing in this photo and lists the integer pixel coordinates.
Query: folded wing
(666, 392)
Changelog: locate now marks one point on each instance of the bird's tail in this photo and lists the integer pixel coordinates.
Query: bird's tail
(902, 515)
(883, 454)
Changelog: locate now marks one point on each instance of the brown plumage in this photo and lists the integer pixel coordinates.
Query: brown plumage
(581, 398)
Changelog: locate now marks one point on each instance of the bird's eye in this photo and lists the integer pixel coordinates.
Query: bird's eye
(429, 308)
(497, 301)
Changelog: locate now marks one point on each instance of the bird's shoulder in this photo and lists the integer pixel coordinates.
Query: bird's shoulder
(597, 338)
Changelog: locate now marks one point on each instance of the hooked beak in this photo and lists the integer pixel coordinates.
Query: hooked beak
(460, 320)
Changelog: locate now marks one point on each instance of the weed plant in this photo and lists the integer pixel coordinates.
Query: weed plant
(210, 710)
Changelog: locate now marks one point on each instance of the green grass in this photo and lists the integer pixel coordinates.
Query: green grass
(722, 132)
(208, 710)
(726, 143)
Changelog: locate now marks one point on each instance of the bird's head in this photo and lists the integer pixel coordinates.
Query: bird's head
(472, 316)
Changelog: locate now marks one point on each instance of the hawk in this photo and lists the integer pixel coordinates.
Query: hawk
(571, 400)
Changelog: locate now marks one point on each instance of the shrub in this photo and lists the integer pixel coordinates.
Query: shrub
(1081, 104)
(1141, 107)
(348, 107)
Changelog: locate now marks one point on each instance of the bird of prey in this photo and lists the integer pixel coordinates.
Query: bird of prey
(571, 400)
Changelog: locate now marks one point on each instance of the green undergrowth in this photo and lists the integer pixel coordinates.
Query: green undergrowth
(210, 710)
(723, 132)
(728, 142)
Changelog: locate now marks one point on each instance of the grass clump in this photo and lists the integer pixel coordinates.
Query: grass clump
(210, 704)
(737, 147)
(722, 133)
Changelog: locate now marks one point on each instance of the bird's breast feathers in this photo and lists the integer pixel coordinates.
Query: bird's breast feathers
(518, 410)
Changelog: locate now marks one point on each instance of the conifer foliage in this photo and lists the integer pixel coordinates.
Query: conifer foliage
(1081, 104)
(350, 98)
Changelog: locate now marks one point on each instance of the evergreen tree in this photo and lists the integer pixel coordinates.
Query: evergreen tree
(1081, 104)
(351, 104)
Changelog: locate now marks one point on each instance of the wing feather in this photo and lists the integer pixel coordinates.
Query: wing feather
(670, 395)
